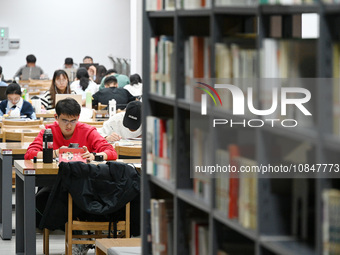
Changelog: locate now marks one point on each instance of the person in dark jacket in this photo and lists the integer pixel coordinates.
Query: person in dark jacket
(14, 105)
(111, 91)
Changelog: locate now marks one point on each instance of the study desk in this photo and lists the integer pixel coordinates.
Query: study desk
(7, 152)
(28, 176)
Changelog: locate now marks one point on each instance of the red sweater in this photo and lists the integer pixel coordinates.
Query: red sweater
(84, 135)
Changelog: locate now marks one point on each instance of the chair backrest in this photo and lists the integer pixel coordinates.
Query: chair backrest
(29, 123)
(29, 137)
(128, 151)
(101, 106)
(96, 124)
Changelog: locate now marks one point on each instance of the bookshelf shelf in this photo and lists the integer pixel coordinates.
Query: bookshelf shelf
(332, 142)
(302, 134)
(193, 199)
(164, 184)
(162, 99)
(195, 13)
(161, 14)
(242, 35)
(289, 247)
(288, 9)
(332, 8)
(237, 10)
(235, 225)
(184, 104)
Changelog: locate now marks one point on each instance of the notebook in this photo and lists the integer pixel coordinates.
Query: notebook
(78, 98)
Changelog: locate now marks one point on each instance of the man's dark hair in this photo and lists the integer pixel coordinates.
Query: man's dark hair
(13, 88)
(68, 106)
(87, 57)
(68, 61)
(31, 59)
(111, 71)
(110, 79)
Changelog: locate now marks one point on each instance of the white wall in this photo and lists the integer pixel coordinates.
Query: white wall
(136, 36)
(53, 30)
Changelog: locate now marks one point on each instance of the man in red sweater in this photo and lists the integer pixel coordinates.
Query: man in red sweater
(66, 129)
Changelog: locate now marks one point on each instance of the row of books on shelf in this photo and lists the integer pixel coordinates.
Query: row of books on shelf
(162, 66)
(331, 221)
(169, 5)
(235, 193)
(161, 220)
(160, 146)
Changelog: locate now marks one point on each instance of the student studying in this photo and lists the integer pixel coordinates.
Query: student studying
(66, 129)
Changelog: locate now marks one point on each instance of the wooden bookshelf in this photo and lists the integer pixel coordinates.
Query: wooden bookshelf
(247, 27)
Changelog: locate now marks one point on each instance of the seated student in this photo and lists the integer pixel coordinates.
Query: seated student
(2, 83)
(111, 91)
(83, 84)
(121, 79)
(60, 85)
(70, 68)
(30, 70)
(92, 70)
(66, 129)
(136, 86)
(125, 124)
(101, 72)
(14, 105)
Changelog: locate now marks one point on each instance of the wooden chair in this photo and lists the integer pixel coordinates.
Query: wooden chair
(101, 106)
(28, 138)
(14, 135)
(122, 226)
(13, 130)
(128, 151)
(21, 124)
(98, 227)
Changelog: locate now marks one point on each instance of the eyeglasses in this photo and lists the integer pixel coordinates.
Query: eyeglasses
(66, 122)
(14, 100)
(61, 81)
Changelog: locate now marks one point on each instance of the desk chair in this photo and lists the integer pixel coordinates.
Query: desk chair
(122, 226)
(96, 124)
(28, 138)
(10, 129)
(101, 106)
(21, 124)
(128, 151)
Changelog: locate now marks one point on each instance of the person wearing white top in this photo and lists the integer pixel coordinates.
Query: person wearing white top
(124, 125)
(136, 85)
(83, 84)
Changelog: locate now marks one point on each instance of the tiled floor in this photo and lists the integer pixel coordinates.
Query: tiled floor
(57, 245)
(57, 242)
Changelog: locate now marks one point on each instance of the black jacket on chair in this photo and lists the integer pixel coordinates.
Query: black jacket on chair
(99, 192)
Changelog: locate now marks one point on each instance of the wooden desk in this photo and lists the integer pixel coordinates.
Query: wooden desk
(102, 245)
(8, 151)
(28, 176)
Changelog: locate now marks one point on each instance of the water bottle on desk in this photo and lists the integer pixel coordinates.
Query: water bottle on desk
(48, 146)
(112, 107)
